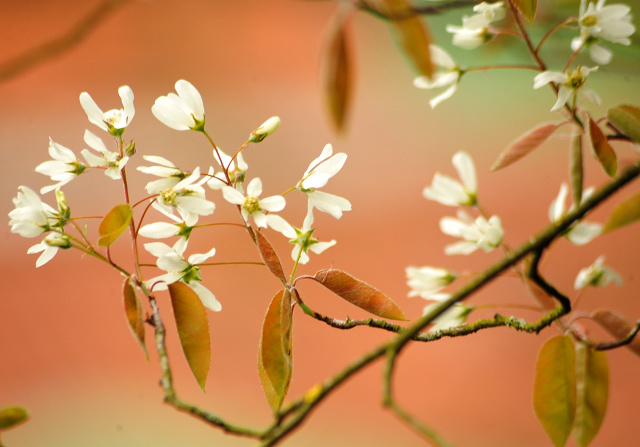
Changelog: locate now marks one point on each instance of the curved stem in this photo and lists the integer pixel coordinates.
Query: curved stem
(553, 30)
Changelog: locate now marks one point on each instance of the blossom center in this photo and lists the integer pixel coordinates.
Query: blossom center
(169, 195)
(589, 21)
(251, 204)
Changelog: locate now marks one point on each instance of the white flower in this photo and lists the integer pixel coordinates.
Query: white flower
(448, 191)
(612, 23)
(580, 233)
(171, 261)
(162, 230)
(266, 129)
(450, 76)
(114, 121)
(317, 175)
(476, 234)
(188, 198)
(491, 11)
(596, 275)
(110, 160)
(450, 318)
(63, 168)
(426, 281)
(31, 217)
(236, 170)
(251, 205)
(302, 238)
(49, 247)
(170, 173)
(183, 111)
(597, 53)
(569, 82)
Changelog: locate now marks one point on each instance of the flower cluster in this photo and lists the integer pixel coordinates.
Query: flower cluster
(596, 275)
(475, 29)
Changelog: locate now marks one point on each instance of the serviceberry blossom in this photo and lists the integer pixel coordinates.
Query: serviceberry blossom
(475, 29)
(427, 281)
(109, 160)
(236, 170)
(448, 191)
(597, 275)
(453, 317)
(162, 230)
(31, 217)
(171, 175)
(114, 121)
(481, 233)
(251, 205)
(63, 168)
(188, 198)
(266, 129)
(183, 111)
(569, 82)
(317, 175)
(581, 232)
(301, 237)
(49, 247)
(449, 76)
(171, 260)
(491, 12)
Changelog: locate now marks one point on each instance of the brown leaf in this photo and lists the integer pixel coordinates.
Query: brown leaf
(525, 144)
(193, 329)
(600, 147)
(527, 8)
(359, 293)
(576, 170)
(113, 224)
(618, 326)
(275, 366)
(134, 313)
(269, 256)
(12, 416)
(626, 118)
(627, 212)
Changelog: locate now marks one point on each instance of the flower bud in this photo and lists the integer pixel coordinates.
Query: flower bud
(63, 207)
(267, 128)
(130, 150)
(60, 242)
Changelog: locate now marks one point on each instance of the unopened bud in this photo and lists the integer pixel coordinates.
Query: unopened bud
(131, 149)
(63, 208)
(267, 128)
(60, 242)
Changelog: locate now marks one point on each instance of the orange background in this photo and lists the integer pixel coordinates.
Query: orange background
(65, 351)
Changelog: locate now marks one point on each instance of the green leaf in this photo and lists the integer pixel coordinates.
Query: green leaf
(113, 225)
(359, 293)
(592, 378)
(134, 313)
(618, 326)
(275, 365)
(554, 388)
(626, 118)
(627, 212)
(525, 144)
(527, 8)
(12, 416)
(601, 148)
(193, 329)
(269, 256)
(576, 170)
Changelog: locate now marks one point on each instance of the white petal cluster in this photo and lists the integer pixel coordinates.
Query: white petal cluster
(317, 175)
(475, 29)
(448, 76)
(63, 168)
(162, 230)
(569, 82)
(481, 233)
(49, 247)
(109, 160)
(580, 233)
(171, 175)
(31, 217)
(251, 205)
(448, 191)
(188, 197)
(453, 317)
(597, 275)
(183, 111)
(171, 260)
(428, 281)
(113, 121)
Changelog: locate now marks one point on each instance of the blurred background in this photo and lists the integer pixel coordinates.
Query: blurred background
(66, 353)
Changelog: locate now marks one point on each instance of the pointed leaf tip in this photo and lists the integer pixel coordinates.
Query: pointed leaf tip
(626, 213)
(626, 118)
(525, 144)
(193, 329)
(134, 313)
(602, 150)
(12, 416)
(114, 224)
(527, 8)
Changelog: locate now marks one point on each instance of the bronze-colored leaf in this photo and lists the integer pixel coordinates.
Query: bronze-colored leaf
(576, 169)
(525, 144)
(269, 256)
(618, 326)
(627, 212)
(527, 8)
(134, 313)
(193, 329)
(554, 388)
(12, 416)
(626, 118)
(275, 366)
(592, 379)
(359, 293)
(113, 224)
(600, 147)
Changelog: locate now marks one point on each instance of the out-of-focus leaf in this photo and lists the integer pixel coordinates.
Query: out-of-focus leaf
(12, 416)
(543, 298)
(626, 118)
(618, 326)
(193, 329)
(359, 293)
(527, 8)
(134, 313)
(554, 388)
(601, 148)
(575, 165)
(412, 35)
(592, 380)
(338, 67)
(525, 144)
(275, 365)
(113, 225)
(627, 212)
(269, 256)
